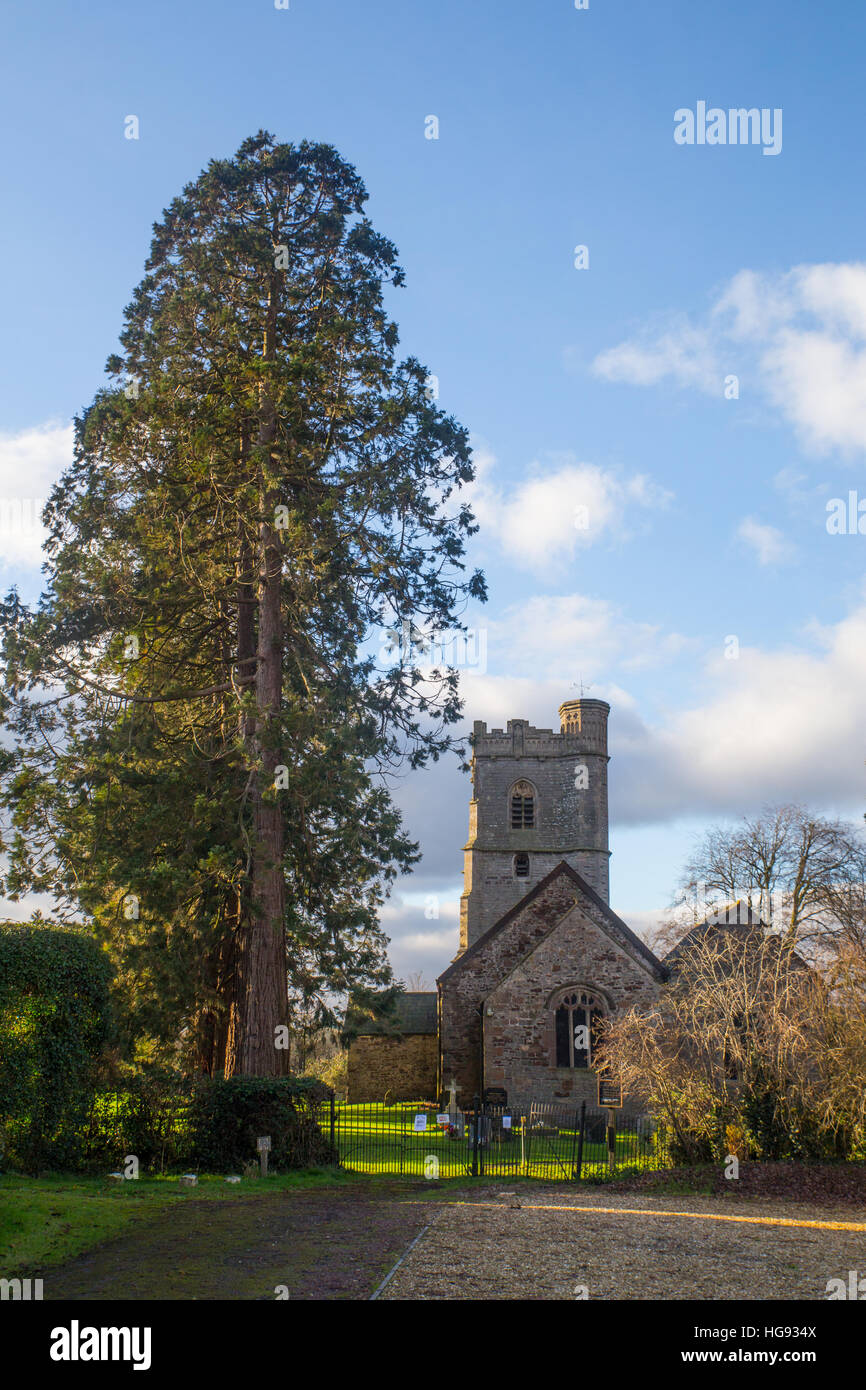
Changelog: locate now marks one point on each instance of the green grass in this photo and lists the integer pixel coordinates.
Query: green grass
(380, 1139)
(46, 1221)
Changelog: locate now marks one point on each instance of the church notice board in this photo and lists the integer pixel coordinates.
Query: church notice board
(609, 1093)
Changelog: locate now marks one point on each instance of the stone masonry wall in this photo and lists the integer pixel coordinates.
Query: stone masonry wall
(559, 938)
(466, 983)
(405, 1067)
(571, 819)
(519, 1035)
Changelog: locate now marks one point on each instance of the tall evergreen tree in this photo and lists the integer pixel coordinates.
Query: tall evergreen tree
(200, 722)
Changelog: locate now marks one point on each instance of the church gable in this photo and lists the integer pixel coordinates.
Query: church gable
(562, 917)
(521, 929)
(578, 973)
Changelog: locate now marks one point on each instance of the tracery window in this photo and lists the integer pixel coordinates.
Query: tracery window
(578, 1016)
(522, 806)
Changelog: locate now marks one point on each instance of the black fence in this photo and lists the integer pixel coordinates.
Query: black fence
(538, 1140)
(412, 1138)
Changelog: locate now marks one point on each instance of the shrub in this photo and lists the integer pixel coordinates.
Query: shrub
(745, 1051)
(54, 1022)
(227, 1116)
(146, 1116)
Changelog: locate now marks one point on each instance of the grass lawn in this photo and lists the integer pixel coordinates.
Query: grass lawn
(321, 1233)
(382, 1139)
(45, 1221)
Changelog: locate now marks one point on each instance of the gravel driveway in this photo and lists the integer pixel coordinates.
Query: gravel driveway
(547, 1249)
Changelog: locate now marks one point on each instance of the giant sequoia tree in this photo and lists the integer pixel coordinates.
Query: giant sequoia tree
(200, 725)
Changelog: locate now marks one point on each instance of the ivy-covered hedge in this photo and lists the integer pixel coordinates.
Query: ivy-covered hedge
(54, 1021)
(227, 1116)
(173, 1124)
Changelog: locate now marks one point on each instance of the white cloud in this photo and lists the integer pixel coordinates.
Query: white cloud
(768, 543)
(542, 634)
(24, 908)
(31, 461)
(782, 725)
(560, 507)
(801, 336)
(644, 923)
(418, 944)
(682, 352)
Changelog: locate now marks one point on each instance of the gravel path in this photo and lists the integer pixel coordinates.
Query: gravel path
(491, 1248)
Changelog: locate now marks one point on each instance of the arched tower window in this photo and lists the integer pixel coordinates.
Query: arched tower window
(521, 866)
(578, 1015)
(522, 806)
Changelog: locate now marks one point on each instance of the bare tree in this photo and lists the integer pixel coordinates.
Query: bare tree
(784, 864)
(746, 1046)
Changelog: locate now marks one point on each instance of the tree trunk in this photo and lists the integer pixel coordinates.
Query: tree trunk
(264, 977)
(260, 1004)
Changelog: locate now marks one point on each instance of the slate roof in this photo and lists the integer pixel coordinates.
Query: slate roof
(712, 926)
(734, 919)
(415, 1012)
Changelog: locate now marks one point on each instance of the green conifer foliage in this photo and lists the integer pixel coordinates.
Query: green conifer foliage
(200, 712)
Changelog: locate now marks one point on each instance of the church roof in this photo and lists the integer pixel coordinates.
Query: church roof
(560, 869)
(734, 919)
(415, 1011)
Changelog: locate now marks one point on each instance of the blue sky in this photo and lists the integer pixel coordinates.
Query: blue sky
(600, 388)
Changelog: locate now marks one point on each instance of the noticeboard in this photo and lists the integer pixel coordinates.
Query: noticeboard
(609, 1093)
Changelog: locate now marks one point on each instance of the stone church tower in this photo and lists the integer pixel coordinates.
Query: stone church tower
(539, 798)
(543, 960)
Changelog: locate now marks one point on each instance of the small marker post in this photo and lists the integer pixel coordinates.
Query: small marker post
(263, 1144)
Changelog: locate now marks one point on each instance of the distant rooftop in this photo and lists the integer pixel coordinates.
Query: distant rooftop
(738, 918)
(415, 1012)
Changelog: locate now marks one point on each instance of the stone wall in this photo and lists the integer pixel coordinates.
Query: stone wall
(563, 934)
(519, 1035)
(466, 983)
(405, 1067)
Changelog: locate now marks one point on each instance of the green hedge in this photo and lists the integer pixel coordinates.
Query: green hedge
(54, 1021)
(227, 1116)
(173, 1124)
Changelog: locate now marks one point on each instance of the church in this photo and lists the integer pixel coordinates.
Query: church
(542, 957)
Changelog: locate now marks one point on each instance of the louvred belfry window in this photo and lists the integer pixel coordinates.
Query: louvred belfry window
(522, 806)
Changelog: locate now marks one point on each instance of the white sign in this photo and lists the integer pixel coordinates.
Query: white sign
(263, 1143)
(442, 1119)
(420, 1122)
(506, 1121)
